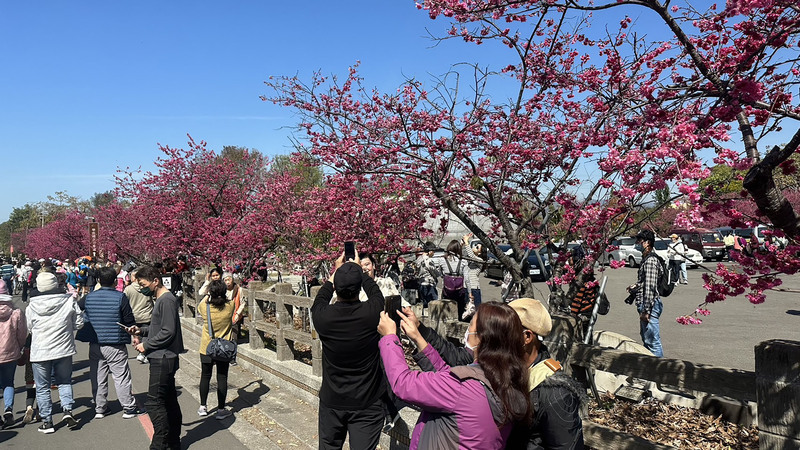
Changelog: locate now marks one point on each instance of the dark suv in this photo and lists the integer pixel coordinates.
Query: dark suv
(538, 271)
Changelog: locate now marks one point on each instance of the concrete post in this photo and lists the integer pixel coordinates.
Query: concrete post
(440, 312)
(778, 394)
(284, 319)
(316, 344)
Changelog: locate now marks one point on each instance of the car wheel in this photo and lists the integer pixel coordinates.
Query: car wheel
(631, 261)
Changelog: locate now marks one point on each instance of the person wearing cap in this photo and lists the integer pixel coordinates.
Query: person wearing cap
(648, 302)
(353, 385)
(555, 397)
(677, 257)
(52, 318)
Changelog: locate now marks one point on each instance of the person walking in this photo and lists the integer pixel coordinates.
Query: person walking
(676, 251)
(105, 309)
(13, 332)
(455, 273)
(216, 306)
(648, 302)
(474, 255)
(7, 273)
(162, 343)
(52, 318)
(428, 275)
(352, 390)
(142, 307)
(468, 407)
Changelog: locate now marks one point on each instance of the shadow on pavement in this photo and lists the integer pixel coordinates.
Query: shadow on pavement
(793, 312)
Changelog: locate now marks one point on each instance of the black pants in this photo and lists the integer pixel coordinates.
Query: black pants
(364, 426)
(207, 365)
(162, 404)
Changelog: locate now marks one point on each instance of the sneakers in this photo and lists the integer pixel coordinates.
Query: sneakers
(68, 417)
(469, 310)
(202, 411)
(8, 418)
(46, 427)
(31, 415)
(131, 413)
(142, 359)
(222, 413)
(99, 415)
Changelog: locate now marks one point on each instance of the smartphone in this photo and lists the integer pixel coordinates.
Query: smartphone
(392, 303)
(349, 250)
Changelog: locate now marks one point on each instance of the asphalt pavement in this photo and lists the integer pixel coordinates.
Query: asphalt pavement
(115, 432)
(726, 338)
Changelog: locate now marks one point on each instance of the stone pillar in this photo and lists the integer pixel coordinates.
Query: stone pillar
(284, 320)
(440, 312)
(778, 394)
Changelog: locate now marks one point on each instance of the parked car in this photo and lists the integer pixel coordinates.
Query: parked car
(625, 245)
(536, 270)
(747, 233)
(660, 247)
(708, 242)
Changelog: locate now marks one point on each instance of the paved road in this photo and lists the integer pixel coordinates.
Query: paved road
(726, 338)
(113, 431)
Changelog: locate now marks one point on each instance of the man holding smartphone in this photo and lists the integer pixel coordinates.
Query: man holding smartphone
(162, 343)
(109, 315)
(350, 398)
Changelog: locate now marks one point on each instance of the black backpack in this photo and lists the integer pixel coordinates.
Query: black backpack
(666, 277)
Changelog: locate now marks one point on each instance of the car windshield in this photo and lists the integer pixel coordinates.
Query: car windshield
(712, 237)
(627, 241)
(661, 244)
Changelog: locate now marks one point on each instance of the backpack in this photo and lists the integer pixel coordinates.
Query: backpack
(666, 277)
(453, 282)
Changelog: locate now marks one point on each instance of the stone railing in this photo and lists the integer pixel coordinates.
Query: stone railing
(281, 322)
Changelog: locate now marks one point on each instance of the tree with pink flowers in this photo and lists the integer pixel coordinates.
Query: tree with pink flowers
(600, 118)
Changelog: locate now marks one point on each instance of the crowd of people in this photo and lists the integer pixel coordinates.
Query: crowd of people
(109, 308)
(500, 390)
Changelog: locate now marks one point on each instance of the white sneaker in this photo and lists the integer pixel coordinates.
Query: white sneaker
(202, 411)
(222, 413)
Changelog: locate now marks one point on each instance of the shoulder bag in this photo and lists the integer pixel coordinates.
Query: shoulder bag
(219, 349)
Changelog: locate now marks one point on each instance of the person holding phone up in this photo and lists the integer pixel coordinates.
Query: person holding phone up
(350, 398)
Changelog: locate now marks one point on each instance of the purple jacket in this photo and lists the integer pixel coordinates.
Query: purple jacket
(460, 409)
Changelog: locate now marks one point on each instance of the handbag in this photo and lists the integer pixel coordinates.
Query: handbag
(219, 349)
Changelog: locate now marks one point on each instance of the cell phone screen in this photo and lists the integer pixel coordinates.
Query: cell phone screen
(349, 250)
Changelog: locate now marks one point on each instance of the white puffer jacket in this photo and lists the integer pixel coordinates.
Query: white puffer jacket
(52, 321)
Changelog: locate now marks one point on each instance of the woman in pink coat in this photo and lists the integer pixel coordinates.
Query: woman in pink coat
(13, 332)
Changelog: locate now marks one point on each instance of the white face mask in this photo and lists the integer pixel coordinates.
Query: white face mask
(466, 340)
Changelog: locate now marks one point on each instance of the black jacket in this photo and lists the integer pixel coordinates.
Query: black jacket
(556, 402)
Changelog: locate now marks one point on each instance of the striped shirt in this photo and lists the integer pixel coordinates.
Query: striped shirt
(474, 263)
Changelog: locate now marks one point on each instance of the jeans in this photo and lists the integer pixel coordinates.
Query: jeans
(61, 370)
(9, 285)
(162, 404)
(651, 335)
(427, 293)
(684, 275)
(476, 295)
(7, 383)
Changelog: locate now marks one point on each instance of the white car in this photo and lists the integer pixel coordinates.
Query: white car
(635, 257)
(625, 246)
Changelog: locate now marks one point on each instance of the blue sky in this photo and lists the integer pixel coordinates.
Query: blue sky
(88, 86)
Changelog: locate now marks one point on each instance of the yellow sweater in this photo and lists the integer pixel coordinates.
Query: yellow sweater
(221, 320)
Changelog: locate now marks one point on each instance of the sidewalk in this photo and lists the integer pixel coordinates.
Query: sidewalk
(258, 410)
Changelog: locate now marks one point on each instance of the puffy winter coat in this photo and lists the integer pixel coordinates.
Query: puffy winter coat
(52, 320)
(13, 330)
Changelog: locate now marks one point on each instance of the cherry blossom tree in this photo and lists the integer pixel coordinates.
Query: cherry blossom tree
(598, 120)
(66, 237)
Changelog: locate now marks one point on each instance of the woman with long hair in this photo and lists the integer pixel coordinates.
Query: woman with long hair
(221, 320)
(468, 407)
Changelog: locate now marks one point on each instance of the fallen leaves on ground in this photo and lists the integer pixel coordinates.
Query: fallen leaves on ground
(678, 426)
